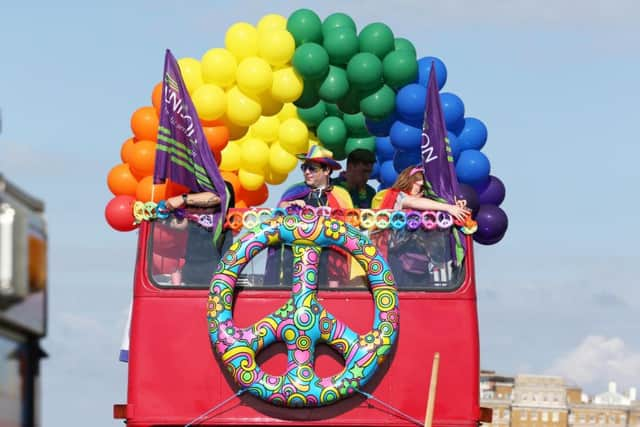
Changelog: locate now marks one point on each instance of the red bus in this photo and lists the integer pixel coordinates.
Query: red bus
(176, 378)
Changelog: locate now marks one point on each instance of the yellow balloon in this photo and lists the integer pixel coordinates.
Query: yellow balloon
(280, 160)
(231, 157)
(313, 141)
(275, 178)
(254, 75)
(249, 180)
(242, 40)
(270, 105)
(277, 47)
(191, 71)
(255, 155)
(219, 67)
(242, 110)
(210, 101)
(289, 111)
(294, 136)
(272, 22)
(266, 129)
(235, 131)
(287, 85)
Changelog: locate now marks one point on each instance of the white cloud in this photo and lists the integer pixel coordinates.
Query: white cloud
(598, 360)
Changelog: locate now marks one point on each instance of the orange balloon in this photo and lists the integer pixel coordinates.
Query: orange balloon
(235, 131)
(121, 181)
(232, 179)
(126, 150)
(175, 189)
(156, 98)
(144, 123)
(145, 186)
(240, 204)
(217, 138)
(217, 156)
(216, 122)
(255, 197)
(142, 159)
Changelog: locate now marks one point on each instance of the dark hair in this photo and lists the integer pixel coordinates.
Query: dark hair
(361, 155)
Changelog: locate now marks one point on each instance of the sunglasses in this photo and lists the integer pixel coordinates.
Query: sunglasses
(312, 168)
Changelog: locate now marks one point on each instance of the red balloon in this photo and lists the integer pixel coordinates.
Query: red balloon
(119, 213)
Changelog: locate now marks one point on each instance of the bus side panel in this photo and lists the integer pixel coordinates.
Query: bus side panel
(174, 375)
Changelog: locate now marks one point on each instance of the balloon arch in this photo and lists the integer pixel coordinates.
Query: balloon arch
(286, 83)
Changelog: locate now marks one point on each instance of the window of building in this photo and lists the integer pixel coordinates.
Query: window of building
(523, 415)
(623, 418)
(555, 417)
(612, 419)
(592, 419)
(582, 418)
(506, 414)
(534, 416)
(603, 419)
(545, 416)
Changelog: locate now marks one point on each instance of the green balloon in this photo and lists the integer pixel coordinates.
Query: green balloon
(339, 153)
(333, 110)
(364, 71)
(341, 44)
(379, 104)
(350, 103)
(404, 44)
(367, 143)
(314, 115)
(305, 26)
(356, 126)
(337, 20)
(311, 61)
(399, 68)
(335, 86)
(332, 133)
(309, 96)
(377, 38)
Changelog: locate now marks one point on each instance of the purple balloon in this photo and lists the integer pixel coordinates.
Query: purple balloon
(487, 242)
(492, 192)
(469, 194)
(492, 223)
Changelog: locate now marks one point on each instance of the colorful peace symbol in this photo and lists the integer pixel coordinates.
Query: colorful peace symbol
(302, 323)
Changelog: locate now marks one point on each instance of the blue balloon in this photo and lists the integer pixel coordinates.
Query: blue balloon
(403, 159)
(405, 137)
(384, 149)
(424, 68)
(453, 109)
(387, 173)
(456, 128)
(381, 127)
(375, 171)
(455, 145)
(410, 102)
(473, 168)
(382, 187)
(473, 135)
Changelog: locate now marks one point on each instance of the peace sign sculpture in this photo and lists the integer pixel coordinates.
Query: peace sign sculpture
(302, 322)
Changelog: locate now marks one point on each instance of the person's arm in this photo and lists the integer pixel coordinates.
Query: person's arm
(205, 199)
(423, 204)
(297, 202)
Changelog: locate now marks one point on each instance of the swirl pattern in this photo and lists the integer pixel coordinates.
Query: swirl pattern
(302, 322)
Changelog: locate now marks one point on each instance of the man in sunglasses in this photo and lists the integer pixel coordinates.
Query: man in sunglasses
(316, 190)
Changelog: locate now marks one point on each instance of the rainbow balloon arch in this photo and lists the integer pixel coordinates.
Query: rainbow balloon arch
(285, 84)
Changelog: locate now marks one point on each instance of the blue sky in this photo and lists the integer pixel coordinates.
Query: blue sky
(556, 85)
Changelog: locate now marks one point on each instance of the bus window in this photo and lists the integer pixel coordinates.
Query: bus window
(183, 254)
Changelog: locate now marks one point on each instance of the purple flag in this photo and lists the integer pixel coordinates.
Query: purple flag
(182, 152)
(441, 181)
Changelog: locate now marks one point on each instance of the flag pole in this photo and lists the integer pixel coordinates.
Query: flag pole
(428, 418)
